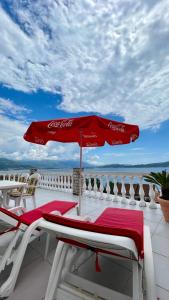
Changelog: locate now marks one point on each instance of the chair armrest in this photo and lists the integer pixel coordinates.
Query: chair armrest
(31, 186)
(18, 209)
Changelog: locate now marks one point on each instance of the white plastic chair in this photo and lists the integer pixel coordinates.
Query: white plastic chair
(12, 229)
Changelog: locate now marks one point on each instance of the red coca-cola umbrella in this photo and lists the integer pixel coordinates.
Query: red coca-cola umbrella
(90, 131)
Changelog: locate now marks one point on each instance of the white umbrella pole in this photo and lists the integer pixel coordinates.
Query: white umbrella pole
(80, 185)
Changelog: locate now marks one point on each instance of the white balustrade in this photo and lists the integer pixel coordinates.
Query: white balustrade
(152, 197)
(142, 202)
(89, 187)
(115, 190)
(101, 187)
(97, 185)
(108, 188)
(84, 186)
(123, 190)
(132, 192)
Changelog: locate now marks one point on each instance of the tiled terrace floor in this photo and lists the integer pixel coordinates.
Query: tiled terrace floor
(35, 271)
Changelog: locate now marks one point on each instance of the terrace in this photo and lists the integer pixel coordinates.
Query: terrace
(35, 270)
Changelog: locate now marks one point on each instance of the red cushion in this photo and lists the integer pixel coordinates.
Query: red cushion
(33, 215)
(113, 221)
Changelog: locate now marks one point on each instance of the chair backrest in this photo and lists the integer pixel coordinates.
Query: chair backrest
(32, 183)
(23, 177)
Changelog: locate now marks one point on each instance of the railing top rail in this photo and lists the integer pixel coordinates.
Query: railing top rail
(87, 172)
(113, 173)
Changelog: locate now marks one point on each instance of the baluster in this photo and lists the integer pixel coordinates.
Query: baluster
(39, 185)
(68, 183)
(107, 188)
(123, 190)
(54, 182)
(42, 181)
(57, 182)
(101, 187)
(115, 190)
(84, 186)
(132, 192)
(65, 183)
(95, 187)
(71, 182)
(152, 196)
(141, 192)
(50, 182)
(61, 182)
(90, 187)
(45, 182)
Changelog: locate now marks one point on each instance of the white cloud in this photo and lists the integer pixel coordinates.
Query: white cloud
(105, 56)
(13, 146)
(8, 107)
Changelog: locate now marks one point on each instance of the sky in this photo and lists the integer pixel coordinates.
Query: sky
(69, 58)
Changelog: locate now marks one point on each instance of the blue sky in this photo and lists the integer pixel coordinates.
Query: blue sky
(69, 58)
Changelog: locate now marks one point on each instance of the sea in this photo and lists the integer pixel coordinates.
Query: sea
(128, 170)
(113, 170)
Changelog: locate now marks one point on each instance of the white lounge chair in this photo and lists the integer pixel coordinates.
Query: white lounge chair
(116, 234)
(12, 229)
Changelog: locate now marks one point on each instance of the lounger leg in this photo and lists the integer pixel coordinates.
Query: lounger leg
(136, 284)
(47, 245)
(149, 266)
(8, 286)
(6, 257)
(56, 270)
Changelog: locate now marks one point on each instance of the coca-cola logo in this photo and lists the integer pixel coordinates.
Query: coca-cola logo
(116, 142)
(39, 140)
(90, 136)
(52, 132)
(118, 127)
(91, 145)
(60, 124)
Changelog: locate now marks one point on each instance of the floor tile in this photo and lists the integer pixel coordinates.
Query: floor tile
(160, 245)
(162, 229)
(32, 281)
(162, 294)
(152, 226)
(161, 264)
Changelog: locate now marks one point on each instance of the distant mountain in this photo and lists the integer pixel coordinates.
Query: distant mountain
(8, 164)
(152, 165)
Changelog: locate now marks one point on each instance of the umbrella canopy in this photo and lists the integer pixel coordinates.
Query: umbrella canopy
(90, 131)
